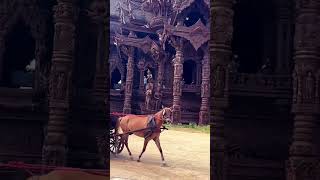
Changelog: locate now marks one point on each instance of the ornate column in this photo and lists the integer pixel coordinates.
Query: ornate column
(101, 81)
(129, 51)
(304, 157)
(220, 55)
(205, 89)
(158, 92)
(177, 43)
(55, 143)
(40, 83)
(199, 71)
(141, 69)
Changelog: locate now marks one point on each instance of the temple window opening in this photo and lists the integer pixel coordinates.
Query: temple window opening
(116, 79)
(19, 58)
(189, 72)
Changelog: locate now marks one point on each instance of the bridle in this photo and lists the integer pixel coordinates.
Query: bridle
(164, 115)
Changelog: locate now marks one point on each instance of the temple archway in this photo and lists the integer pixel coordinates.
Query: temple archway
(189, 72)
(19, 53)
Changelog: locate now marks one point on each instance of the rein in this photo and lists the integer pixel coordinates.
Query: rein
(129, 132)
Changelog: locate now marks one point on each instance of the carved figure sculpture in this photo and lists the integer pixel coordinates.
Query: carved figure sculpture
(266, 67)
(234, 64)
(152, 6)
(149, 76)
(155, 52)
(158, 96)
(122, 12)
(149, 92)
(61, 85)
(220, 77)
(295, 86)
(32, 66)
(310, 84)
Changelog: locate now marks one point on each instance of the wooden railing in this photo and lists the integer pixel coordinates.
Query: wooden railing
(260, 85)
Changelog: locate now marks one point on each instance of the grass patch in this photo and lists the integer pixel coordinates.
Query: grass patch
(192, 127)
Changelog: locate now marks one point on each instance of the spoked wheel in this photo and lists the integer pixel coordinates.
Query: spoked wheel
(115, 140)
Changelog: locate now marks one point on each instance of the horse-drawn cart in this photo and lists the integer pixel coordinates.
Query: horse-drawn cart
(116, 145)
(148, 127)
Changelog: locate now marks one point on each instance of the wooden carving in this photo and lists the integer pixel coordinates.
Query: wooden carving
(222, 26)
(295, 87)
(144, 43)
(309, 86)
(198, 34)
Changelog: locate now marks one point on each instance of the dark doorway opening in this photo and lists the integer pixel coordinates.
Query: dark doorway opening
(115, 78)
(20, 52)
(189, 72)
(254, 34)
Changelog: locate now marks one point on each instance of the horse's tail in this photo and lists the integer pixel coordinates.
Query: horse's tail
(117, 125)
(116, 131)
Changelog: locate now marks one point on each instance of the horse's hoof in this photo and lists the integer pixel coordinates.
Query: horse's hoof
(164, 164)
(138, 160)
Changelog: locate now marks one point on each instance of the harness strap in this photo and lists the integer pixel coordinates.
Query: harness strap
(151, 126)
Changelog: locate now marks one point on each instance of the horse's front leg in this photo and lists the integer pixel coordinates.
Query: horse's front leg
(146, 141)
(157, 141)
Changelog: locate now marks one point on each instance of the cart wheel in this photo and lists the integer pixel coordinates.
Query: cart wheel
(112, 142)
(120, 145)
(115, 140)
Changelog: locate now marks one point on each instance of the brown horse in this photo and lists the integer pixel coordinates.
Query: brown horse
(135, 123)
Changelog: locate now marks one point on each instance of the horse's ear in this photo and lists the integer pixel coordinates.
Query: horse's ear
(162, 106)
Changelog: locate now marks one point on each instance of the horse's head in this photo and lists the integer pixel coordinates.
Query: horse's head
(166, 115)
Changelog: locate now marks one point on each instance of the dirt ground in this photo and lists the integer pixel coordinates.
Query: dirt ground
(186, 154)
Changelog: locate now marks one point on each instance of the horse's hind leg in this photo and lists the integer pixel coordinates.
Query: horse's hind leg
(157, 141)
(146, 141)
(125, 140)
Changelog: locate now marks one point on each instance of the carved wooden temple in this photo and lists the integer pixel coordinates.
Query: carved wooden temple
(265, 67)
(159, 57)
(53, 77)
(264, 79)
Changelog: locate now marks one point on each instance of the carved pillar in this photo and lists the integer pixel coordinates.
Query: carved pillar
(39, 84)
(129, 81)
(304, 157)
(55, 143)
(198, 72)
(177, 78)
(141, 69)
(283, 41)
(158, 92)
(205, 90)
(101, 81)
(220, 55)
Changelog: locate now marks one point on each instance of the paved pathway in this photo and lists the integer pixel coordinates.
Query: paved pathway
(187, 155)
